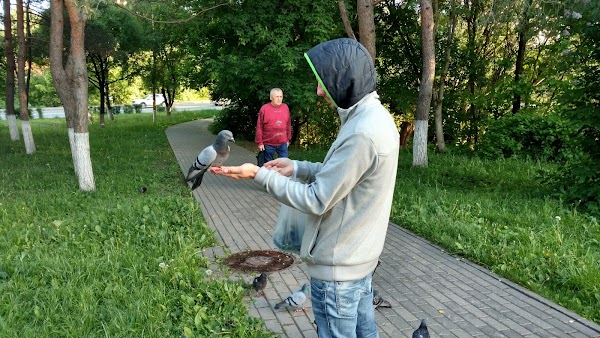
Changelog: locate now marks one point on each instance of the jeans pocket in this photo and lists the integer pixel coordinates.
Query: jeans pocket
(347, 298)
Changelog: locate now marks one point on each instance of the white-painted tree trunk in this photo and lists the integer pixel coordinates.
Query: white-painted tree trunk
(13, 128)
(28, 137)
(71, 133)
(420, 144)
(83, 161)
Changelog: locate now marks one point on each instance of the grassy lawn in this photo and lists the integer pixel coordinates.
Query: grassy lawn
(116, 262)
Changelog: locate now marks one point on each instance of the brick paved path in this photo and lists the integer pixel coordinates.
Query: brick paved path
(459, 298)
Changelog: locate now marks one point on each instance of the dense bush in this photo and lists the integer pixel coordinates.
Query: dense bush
(530, 136)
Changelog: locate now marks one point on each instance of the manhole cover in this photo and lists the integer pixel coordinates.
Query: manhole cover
(259, 260)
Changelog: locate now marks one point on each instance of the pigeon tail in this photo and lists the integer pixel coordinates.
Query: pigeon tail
(197, 181)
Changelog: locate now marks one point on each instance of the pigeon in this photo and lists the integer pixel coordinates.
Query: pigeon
(212, 156)
(295, 301)
(378, 301)
(259, 283)
(422, 331)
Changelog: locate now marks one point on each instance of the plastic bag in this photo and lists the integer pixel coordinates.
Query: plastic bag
(289, 228)
(260, 158)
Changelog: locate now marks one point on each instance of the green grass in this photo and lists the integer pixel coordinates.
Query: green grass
(115, 262)
(494, 213)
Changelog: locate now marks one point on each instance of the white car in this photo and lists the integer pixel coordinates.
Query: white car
(147, 101)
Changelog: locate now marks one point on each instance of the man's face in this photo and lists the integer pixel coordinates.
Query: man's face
(277, 98)
(321, 92)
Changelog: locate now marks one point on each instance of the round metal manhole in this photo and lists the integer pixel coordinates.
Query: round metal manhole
(259, 260)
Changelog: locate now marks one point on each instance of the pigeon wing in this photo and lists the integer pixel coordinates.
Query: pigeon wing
(204, 160)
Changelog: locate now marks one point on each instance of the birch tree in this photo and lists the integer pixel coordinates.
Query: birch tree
(10, 75)
(23, 100)
(71, 82)
(426, 87)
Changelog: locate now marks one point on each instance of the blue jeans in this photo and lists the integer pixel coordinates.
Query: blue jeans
(344, 309)
(282, 151)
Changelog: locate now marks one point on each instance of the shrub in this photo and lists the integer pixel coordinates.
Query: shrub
(137, 108)
(127, 109)
(116, 110)
(547, 138)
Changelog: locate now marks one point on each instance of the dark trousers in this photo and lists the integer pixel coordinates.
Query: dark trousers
(282, 151)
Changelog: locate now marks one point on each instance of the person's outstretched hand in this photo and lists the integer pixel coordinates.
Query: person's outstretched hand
(282, 165)
(246, 170)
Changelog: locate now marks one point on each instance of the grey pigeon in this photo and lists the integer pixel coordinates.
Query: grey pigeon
(212, 156)
(259, 283)
(378, 301)
(422, 331)
(295, 301)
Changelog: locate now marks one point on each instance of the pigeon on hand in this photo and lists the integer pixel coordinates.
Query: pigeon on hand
(378, 301)
(422, 331)
(295, 301)
(259, 283)
(212, 156)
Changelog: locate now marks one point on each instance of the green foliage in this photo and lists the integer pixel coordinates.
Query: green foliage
(128, 109)
(249, 47)
(523, 135)
(578, 181)
(115, 262)
(42, 92)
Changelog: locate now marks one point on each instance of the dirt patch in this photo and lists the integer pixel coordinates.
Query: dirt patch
(259, 261)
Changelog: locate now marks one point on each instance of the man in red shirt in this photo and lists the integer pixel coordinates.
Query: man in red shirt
(274, 127)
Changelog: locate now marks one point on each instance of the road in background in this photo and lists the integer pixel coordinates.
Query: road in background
(58, 112)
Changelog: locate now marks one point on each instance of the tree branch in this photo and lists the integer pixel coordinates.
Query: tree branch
(344, 15)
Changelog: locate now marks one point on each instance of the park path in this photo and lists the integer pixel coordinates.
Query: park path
(458, 298)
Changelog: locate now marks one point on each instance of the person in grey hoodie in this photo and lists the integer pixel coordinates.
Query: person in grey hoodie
(347, 197)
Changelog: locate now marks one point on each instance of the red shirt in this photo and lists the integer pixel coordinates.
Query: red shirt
(274, 125)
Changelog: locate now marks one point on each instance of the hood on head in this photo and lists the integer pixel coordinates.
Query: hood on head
(345, 70)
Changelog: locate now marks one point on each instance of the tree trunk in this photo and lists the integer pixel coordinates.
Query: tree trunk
(439, 121)
(71, 82)
(366, 25)
(426, 87)
(406, 131)
(523, 37)
(13, 128)
(23, 100)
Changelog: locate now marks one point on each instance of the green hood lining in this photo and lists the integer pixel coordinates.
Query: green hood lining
(319, 79)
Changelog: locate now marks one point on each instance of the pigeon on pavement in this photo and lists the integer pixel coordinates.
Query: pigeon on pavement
(259, 283)
(295, 301)
(212, 156)
(422, 331)
(378, 301)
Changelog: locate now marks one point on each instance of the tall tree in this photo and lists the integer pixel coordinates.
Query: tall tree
(71, 82)
(10, 75)
(365, 12)
(426, 87)
(112, 36)
(23, 100)
(439, 94)
(524, 35)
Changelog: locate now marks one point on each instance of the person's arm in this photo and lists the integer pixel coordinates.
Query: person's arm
(289, 127)
(352, 160)
(258, 138)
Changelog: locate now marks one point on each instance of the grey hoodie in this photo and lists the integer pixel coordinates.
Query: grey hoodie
(348, 197)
